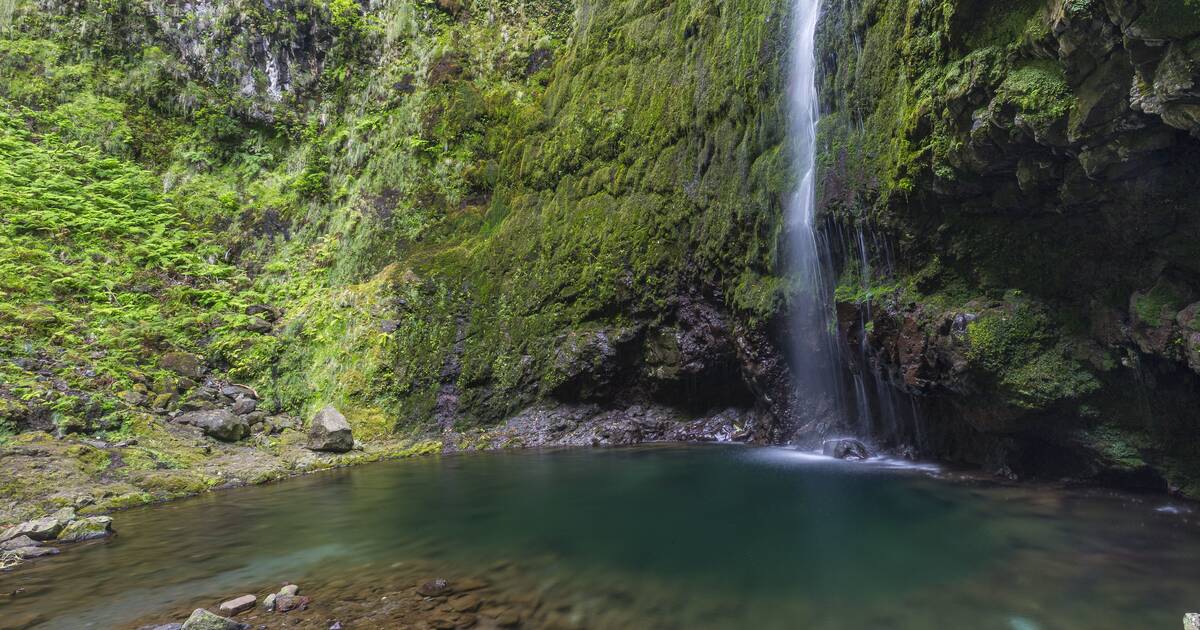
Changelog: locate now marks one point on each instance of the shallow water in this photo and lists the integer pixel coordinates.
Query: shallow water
(669, 536)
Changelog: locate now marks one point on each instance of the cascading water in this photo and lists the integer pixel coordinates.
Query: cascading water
(817, 360)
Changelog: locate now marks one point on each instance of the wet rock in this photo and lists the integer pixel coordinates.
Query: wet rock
(45, 528)
(435, 588)
(330, 432)
(18, 543)
(184, 364)
(1191, 621)
(269, 601)
(26, 553)
(284, 603)
(87, 529)
(290, 590)
(238, 604)
(201, 619)
(165, 626)
(217, 423)
(508, 619)
(845, 448)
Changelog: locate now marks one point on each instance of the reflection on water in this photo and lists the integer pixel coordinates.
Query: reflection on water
(682, 536)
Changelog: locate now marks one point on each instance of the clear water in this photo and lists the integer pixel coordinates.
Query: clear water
(717, 536)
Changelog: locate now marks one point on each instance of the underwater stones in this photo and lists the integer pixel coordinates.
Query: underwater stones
(329, 431)
(289, 590)
(466, 602)
(87, 529)
(201, 619)
(845, 448)
(220, 424)
(284, 603)
(238, 604)
(435, 588)
(184, 364)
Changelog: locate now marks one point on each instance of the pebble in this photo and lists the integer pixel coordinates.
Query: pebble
(435, 588)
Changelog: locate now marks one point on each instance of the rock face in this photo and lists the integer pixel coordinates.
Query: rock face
(220, 424)
(87, 529)
(201, 619)
(329, 431)
(1030, 342)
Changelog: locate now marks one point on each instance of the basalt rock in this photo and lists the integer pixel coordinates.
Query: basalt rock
(220, 424)
(329, 431)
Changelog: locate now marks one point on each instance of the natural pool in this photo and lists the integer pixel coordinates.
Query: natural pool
(715, 536)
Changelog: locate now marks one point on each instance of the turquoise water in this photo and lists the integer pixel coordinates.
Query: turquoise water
(673, 536)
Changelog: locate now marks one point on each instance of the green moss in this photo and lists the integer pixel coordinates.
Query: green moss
(1158, 305)
(1176, 19)
(1039, 91)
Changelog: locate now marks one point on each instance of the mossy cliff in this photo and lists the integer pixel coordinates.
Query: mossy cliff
(439, 215)
(1033, 165)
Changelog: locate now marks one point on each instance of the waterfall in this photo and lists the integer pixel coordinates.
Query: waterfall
(816, 360)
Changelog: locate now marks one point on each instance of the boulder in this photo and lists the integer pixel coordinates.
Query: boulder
(184, 364)
(201, 619)
(45, 528)
(244, 406)
(238, 604)
(217, 423)
(845, 448)
(1191, 621)
(329, 431)
(87, 529)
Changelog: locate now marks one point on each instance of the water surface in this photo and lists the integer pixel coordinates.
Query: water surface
(669, 536)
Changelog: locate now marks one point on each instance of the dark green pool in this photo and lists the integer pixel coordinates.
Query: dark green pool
(692, 536)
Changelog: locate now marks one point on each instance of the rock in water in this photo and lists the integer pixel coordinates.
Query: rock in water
(284, 603)
(435, 588)
(87, 529)
(217, 423)
(291, 590)
(26, 553)
(203, 620)
(845, 448)
(330, 432)
(18, 543)
(45, 528)
(1191, 621)
(238, 604)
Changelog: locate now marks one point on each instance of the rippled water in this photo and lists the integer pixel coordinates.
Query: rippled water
(680, 536)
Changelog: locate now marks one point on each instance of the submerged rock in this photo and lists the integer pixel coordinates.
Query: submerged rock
(330, 432)
(238, 604)
(845, 448)
(435, 588)
(87, 529)
(284, 603)
(217, 423)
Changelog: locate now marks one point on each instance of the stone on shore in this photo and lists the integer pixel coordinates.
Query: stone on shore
(845, 448)
(238, 604)
(45, 528)
(329, 431)
(217, 423)
(203, 620)
(87, 529)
